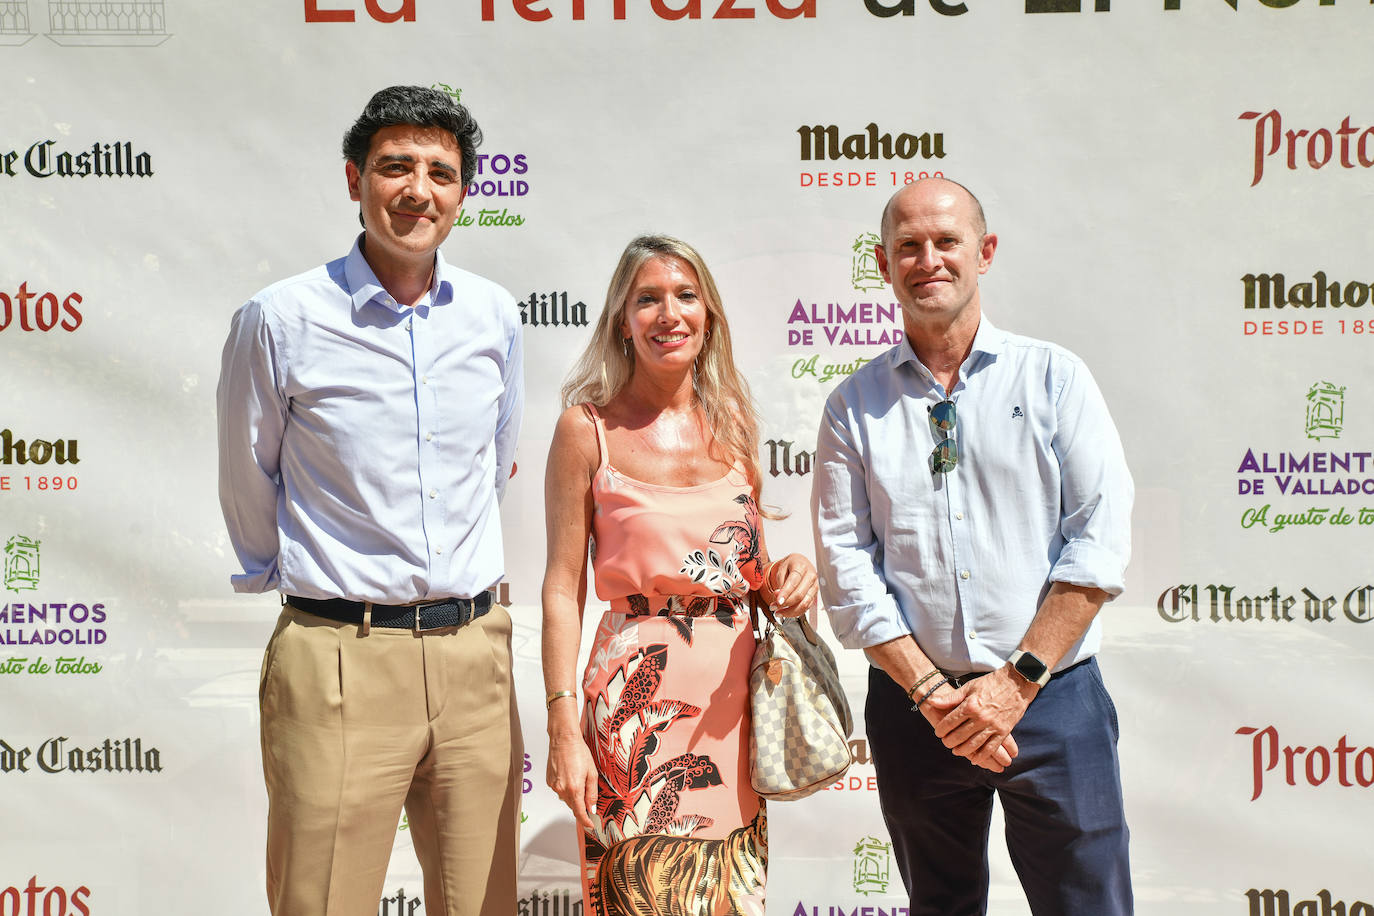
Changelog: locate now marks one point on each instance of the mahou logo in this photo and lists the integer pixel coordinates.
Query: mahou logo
(824, 141)
(1282, 903)
(1343, 765)
(31, 310)
(34, 899)
(36, 451)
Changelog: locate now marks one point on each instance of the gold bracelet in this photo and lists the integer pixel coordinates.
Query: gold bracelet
(548, 700)
(768, 580)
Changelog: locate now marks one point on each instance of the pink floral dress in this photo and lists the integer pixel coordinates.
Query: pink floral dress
(666, 717)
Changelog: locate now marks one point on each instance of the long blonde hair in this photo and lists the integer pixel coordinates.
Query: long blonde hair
(604, 368)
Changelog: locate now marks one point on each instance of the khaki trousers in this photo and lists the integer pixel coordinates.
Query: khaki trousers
(355, 726)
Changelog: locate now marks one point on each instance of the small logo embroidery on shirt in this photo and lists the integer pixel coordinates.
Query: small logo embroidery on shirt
(1016, 414)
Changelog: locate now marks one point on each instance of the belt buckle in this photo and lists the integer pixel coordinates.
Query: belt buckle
(464, 606)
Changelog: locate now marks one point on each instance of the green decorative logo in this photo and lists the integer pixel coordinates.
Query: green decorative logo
(21, 564)
(872, 866)
(446, 89)
(863, 269)
(1325, 411)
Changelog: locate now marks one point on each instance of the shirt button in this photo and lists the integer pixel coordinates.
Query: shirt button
(429, 437)
(959, 516)
(408, 324)
(821, 580)
(963, 574)
(433, 494)
(424, 380)
(972, 635)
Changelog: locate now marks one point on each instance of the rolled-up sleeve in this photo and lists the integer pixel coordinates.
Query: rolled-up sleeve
(251, 410)
(1096, 489)
(849, 552)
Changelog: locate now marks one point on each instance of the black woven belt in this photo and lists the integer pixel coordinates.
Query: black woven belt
(431, 615)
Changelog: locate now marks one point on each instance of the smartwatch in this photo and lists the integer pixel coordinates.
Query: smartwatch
(1030, 667)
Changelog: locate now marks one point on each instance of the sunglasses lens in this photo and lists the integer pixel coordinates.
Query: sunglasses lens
(945, 457)
(943, 416)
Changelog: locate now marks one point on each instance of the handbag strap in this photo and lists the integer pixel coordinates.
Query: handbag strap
(755, 606)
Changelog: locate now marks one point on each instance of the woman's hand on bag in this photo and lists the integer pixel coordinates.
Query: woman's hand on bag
(793, 582)
(572, 776)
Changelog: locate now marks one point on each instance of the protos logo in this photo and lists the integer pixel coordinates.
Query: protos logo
(31, 311)
(35, 899)
(1318, 149)
(1343, 764)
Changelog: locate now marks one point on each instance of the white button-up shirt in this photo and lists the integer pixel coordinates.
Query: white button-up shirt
(363, 444)
(962, 560)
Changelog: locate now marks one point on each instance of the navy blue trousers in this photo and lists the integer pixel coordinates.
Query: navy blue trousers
(1061, 802)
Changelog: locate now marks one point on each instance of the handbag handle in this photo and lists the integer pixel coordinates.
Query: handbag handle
(755, 606)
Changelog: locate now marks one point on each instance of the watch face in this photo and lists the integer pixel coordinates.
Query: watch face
(1031, 668)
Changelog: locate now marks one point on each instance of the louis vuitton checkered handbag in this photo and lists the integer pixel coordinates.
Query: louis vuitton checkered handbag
(799, 742)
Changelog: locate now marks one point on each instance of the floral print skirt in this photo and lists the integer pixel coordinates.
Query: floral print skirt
(667, 720)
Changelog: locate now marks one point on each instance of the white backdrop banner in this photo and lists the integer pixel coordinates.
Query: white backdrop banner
(1181, 189)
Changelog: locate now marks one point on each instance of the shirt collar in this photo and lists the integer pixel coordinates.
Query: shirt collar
(988, 341)
(364, 287)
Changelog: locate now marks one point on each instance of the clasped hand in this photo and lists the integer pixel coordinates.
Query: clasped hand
(975, 721)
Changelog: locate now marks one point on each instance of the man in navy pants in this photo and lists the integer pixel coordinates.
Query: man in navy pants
(972, 507)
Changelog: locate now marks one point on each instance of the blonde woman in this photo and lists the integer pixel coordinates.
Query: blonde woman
(654, 461)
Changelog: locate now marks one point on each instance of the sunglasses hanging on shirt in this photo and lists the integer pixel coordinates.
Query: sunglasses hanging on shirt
(944, 419)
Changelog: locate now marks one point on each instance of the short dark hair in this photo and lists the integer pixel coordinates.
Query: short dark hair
(419, 107)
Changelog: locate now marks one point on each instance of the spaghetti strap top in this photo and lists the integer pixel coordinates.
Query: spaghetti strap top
(658, 540)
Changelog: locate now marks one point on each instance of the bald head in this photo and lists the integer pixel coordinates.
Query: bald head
(929, 189)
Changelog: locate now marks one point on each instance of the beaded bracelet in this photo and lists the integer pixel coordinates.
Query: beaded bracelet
(911, 694)
(938, 684)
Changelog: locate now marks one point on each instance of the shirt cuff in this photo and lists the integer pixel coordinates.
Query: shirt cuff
(255, 583)
(858, 626)
(1090, 566)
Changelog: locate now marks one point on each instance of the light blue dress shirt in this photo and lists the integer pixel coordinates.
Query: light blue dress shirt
(962, 560)
(363, 444)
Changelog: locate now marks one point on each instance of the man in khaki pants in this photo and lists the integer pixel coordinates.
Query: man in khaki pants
(368, 414)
